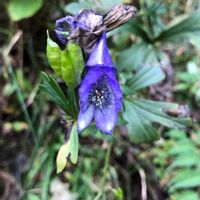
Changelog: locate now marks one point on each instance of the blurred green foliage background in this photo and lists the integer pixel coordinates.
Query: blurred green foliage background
(165, 34)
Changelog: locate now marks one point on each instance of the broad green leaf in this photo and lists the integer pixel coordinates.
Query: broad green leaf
(68, 150)
(181, 174)
(138, 55)
(182, 147)
(68, 64)
(183, 26)
(140, 114)
(185, 195)
(20, 9)
(185, 179)
(146, 76)
(54, 54)
(72, 64)
(50, 86)
(139, 129)
(176, 134)
(135, 56)
(185, 160)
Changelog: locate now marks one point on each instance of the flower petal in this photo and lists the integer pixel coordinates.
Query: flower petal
(91, 77)
(84, 99)
(114, 85)
(100, 54)
(105, 119)
(84, 118)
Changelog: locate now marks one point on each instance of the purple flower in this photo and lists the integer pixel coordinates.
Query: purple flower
(99, 92)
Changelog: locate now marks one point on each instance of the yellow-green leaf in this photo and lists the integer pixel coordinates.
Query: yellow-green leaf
(72, 64)
(61, 159)
(54, 54)
(68, 150)
(67, 64)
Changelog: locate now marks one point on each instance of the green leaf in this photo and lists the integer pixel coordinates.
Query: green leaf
(74, 144)
(134, 56)
(185, 160)
(20, 9)
(176, 134)
(72, 64)
(183, 26)
(182, 147)
(50, 86)
(140, 114)
(146, 76)
(54, 56)
(68, 150)
(186, 178)
(118, 192)
(135, 26)
(33, 197)
(68, 64)
(138, 55)
(185, 195)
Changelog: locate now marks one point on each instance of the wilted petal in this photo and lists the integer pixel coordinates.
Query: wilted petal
(100, 54)
(88, 20)
(84, 118)
(105, 119)
(63, 26)
(64, 23)
(62, 37)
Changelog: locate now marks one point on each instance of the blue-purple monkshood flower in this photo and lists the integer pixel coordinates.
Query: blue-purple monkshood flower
(99, 92)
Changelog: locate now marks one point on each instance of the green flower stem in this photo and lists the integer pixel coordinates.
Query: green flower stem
(105, 171)
(22, 102)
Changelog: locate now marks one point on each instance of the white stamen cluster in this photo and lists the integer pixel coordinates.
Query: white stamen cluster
(98, 97)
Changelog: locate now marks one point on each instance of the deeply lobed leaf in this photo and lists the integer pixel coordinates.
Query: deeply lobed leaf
(140, 114)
